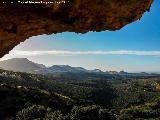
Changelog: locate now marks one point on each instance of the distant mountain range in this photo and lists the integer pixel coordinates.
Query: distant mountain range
(21, 65)
(25, 65)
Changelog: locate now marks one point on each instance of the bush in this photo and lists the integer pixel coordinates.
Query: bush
(57, 115)
(33, 112)
(105, 114)
(85, 113)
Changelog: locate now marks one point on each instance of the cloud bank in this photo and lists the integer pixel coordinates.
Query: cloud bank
(22, 53)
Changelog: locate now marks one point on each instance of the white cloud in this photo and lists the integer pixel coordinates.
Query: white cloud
(21, 53)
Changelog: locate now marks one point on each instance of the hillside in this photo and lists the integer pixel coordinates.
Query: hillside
(65, 68)
(21, 65)
(26, 96)
(25, 65)
(15, 98)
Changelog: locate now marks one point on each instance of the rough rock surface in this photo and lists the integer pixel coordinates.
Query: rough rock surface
(18, 21)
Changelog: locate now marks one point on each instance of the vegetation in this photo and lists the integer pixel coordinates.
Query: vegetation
(78, 97)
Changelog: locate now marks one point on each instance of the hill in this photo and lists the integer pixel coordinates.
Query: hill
(21, 65)
(26, 96)
(25, 65)
(65, 68)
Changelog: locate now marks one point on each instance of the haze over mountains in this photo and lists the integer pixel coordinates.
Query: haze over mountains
(25, 65)
(21, 65)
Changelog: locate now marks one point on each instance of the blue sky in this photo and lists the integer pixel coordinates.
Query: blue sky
(138, 37)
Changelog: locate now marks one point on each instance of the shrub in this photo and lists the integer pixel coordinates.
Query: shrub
(33, 112)
(105, 114)
(85, 113)
(57, 115)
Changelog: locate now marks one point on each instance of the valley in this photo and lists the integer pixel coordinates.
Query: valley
(78, 96)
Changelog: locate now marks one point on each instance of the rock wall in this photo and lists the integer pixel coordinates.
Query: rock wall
(19, 20)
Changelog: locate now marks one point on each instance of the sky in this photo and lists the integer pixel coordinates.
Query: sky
(134, 48)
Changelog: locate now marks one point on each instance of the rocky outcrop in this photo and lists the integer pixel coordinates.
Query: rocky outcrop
(19, 20)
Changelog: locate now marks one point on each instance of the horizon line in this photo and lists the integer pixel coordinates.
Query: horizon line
(128, 71)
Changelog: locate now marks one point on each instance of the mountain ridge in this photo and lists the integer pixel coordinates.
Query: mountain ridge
(20, 65)
(25, 65)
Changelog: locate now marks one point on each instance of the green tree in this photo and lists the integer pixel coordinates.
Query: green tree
(85, 113)
(33, 112)
(105, 114)
(57, 115)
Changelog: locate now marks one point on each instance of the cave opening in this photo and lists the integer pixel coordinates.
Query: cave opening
(19, 21)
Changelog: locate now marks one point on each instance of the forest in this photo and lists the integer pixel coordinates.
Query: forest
(83, 96)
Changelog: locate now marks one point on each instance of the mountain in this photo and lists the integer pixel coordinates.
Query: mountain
(123, 73)
(112, 72)
(64, 69)
(96, 71)
(25, 65)
(21, 65)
